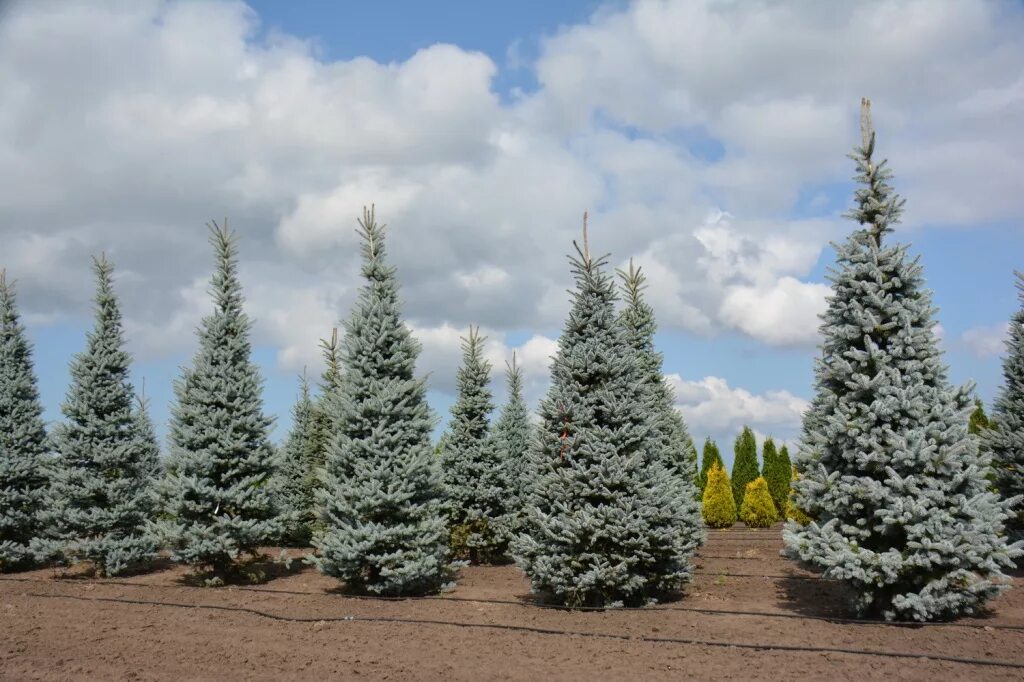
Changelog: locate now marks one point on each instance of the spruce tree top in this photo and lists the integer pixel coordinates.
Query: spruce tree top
(512, 430)
(469, 423)
(676, 447)
(99, 405)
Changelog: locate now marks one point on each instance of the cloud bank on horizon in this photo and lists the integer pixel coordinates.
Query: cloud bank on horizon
(707, 139)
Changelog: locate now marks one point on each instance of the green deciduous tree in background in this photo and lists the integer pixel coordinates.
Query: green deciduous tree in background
(217, 500)
(384, 530)
(23, 447)
(99, 502)
(894, 483)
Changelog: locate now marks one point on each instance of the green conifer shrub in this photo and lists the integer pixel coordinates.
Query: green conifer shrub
(718, 504)
(979, 421)
(477, 483)
(744, 464)
(99, 502)
(384, 529)
(1005, 441)
(24, 454)
(792, 511)
(777, 470)
(889, 474)
(709, 458)
(217, 501)
(607, 523)
(758, 510)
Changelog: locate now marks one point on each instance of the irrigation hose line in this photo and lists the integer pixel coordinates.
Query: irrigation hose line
(544, 631)
(552, 607)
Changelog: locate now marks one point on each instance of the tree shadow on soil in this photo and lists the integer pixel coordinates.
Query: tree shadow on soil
(813, 597)
(258, 570)
(87, 571)
(832, 599)
(541, 601)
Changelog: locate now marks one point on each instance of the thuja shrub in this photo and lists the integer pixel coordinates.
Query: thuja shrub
(758, 510)
(793, 511)
(719, 507)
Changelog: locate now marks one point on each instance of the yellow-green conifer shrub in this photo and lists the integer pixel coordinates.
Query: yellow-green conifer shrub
(758, 510)
(793, 512)
(719, 506)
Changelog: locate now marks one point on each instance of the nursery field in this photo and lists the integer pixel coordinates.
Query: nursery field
(748, 614)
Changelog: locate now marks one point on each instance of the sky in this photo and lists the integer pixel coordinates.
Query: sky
(707, 140)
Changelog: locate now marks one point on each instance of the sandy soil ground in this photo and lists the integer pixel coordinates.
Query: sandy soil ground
(749, 614)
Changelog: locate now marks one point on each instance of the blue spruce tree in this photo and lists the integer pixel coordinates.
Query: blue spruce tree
(512, 436)
(23, 447)
(381, 506)
(475, 478)
(296, 483)
(99, 502)
(1005, 437)
(677, 450)
(217, 500)
(604, 524)
(149, 457)
(895, 484)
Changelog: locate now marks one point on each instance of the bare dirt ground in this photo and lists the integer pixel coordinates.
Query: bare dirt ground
(748, 614)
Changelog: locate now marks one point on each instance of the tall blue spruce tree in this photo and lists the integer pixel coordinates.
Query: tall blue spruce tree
(637, 317)
(512, 436)
(217, 500)
(895, 484)
(604, 524)
(475, 478)
(23, 446)
(1004, 439)
(381, 505)
(99, 502)
(668, 432)
(296, 482)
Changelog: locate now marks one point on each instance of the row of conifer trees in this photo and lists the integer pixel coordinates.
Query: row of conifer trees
(598, 503)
